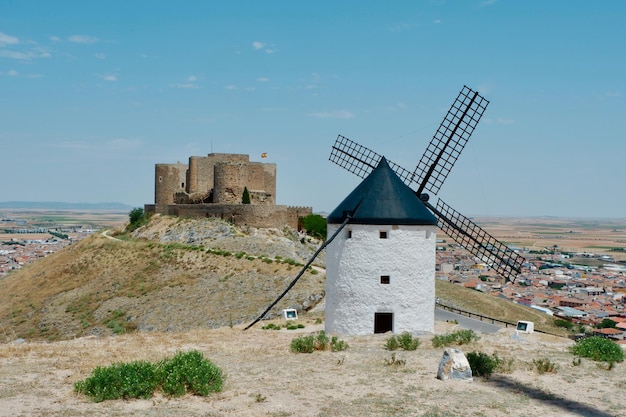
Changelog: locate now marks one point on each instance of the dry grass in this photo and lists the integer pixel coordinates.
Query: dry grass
(265, 379)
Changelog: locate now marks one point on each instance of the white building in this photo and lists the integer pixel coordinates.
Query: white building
(380, 270)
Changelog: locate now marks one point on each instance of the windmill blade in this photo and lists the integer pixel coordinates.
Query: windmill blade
(481, 244)
(361, 161)
(449, 140)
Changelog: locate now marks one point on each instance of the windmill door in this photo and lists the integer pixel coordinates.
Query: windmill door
(383, 322)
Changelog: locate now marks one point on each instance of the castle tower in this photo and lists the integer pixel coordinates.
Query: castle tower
(169, 179)
(230, 180)
(380, 271)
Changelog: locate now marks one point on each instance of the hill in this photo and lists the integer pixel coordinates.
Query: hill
(174, 278)
(180, 274)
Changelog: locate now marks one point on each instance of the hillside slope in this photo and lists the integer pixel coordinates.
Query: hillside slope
(180, 274)
(102, 285)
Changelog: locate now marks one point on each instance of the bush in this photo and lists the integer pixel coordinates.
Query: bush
(482, 364)
(320, 341)
(315, 225)
(190, 372)
(122, 380)
(564, 323)
(544, 365)
(460, 337)
(392, 343)
(136, 219)
(598, 349)
(185, 372)
(404, 341)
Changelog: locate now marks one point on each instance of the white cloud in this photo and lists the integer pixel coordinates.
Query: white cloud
(613, 94)
(25, 55)
(262, 79)
(100, 55)
(337, 114)
(268, 49)
(12, 73)
(8, 39)
(230, 87)
(82, 39)
(109, 77)
(55, 39)
(185, 85)
(437, 21)
(192, 78)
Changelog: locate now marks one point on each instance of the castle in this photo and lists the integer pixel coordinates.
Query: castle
(213, 186)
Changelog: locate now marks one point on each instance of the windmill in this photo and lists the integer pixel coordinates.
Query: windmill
(429, 175)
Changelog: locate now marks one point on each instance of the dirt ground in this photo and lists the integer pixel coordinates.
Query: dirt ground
(264, 378)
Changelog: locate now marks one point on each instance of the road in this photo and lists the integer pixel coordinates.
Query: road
(466, 322)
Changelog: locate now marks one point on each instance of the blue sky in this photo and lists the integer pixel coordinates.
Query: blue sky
(94, 94)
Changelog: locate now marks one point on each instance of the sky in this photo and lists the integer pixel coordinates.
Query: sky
(94, 94)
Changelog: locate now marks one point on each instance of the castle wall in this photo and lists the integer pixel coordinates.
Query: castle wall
(238, 214)
(168, 180)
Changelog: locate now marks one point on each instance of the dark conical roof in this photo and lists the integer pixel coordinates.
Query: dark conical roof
(382, 198)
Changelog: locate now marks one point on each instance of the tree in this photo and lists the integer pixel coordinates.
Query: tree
(245, 198)
(315, 225)
(135, 215)
(606, 324)
(136, 218)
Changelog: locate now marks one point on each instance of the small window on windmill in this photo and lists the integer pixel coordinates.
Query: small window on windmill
(384, 279)
(349, 234)
(383, 234)
(290, 314)
(182, 185)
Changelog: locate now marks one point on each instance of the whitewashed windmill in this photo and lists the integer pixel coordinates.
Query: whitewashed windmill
(373, 283)
(380, 269)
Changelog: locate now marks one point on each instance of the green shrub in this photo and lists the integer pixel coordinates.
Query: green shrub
(460, 337)
(185, 372)
(403, 341)
(392, 343)
(337, 345)
(303, 344)
(271, 326)
(482, 364)
(319, 341)
(564, 323)
(599, 349)
(190, 372)
(544, 365)
(122, 380)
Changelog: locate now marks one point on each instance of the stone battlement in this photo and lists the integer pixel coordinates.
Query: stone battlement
(213, 186)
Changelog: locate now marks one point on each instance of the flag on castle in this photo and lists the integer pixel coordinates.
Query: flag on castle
(264, 155)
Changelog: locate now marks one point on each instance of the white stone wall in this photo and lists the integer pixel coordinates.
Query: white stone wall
(353, 285)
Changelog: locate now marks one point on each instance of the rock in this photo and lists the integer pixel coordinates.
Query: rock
(454, 365)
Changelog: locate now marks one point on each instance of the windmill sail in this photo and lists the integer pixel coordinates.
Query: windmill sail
(360, 160)
(432, 170)
(449, 140)
(476, 240)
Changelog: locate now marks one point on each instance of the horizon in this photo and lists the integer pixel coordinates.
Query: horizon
(130, 207)
(95, 98)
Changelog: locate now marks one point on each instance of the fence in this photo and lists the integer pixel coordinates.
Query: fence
(485, 318)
